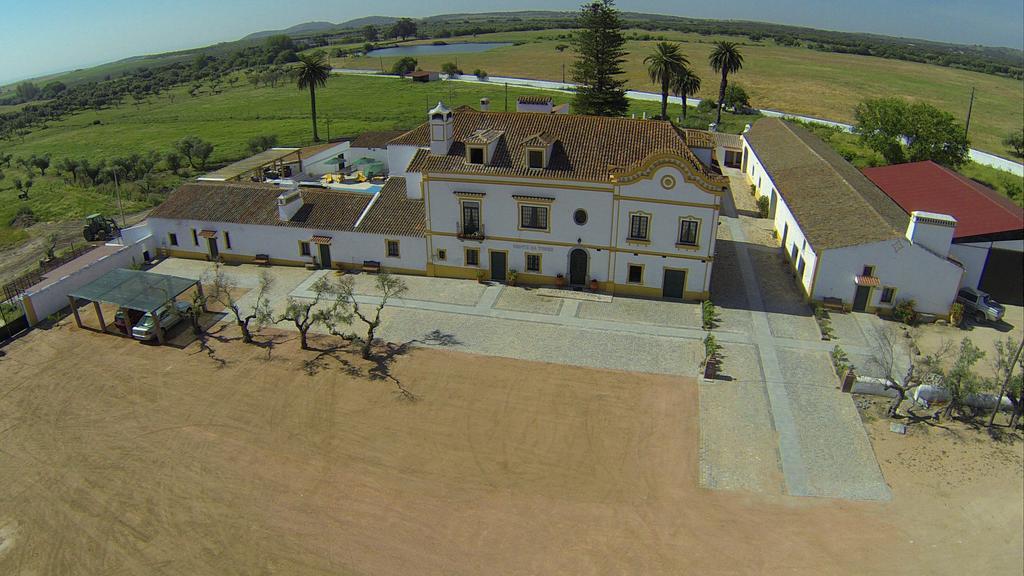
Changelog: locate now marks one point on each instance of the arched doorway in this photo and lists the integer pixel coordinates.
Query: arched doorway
(578, 260)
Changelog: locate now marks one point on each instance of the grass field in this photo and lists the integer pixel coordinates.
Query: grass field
(797, 80)
(351, 104)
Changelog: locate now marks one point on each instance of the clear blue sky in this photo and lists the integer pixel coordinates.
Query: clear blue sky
(45, 36)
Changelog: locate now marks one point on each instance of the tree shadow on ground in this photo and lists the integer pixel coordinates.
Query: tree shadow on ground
(382, 358)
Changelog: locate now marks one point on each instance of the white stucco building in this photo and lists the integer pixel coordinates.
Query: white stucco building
(557, 198)
(846, 239)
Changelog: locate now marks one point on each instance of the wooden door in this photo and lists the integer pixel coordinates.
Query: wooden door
(325, 256)
(673, 284)
(499, 264)
(578, 267)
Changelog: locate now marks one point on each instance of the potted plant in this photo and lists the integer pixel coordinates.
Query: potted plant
(711, 357)
(560, 281)
(593, 285)
(481, 276)
(513, 276)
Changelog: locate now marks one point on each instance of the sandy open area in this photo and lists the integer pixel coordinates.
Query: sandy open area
(123, 458)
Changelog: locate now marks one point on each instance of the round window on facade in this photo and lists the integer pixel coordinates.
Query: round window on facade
(580, 216)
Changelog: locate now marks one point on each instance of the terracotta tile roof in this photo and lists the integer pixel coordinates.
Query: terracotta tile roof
(588, 148)
(699, 138)
(484, 136)
(728, 140)
(376, 139)
(927, 186)
(393, 213)
(538, 140)
(244, 203)
(834, 204)
(534, 99)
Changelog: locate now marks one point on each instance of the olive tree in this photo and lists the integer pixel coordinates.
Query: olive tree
(306, 313)
(893, 356)
(223, 290)
(960, 381)
(1008, 365)
(388, 287)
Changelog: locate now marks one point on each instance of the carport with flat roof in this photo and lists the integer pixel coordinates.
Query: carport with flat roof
(132, 290)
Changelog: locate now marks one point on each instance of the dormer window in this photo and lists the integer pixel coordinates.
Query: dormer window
(476, 155)
(535, 158)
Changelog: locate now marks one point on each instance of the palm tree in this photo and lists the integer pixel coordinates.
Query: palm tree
(686, 84)
(726, 59)
(663, 65)
(312, 71)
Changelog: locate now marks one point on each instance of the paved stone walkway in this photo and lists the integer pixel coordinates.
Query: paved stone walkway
(782, 386)
(823, 448)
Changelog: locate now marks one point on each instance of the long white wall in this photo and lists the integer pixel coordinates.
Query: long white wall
(53, 296)
(282, 243)
(783, 222)
(914, 272)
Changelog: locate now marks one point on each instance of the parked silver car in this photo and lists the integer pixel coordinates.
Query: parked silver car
(980, 306)
(170, 315)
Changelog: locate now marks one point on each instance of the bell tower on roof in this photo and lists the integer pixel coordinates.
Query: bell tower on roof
(441, 122)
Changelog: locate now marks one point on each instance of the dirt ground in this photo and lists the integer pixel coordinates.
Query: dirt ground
(118, 457)
(19, 259)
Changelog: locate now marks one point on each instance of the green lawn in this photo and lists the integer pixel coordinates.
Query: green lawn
(351, 104)
(797, 80)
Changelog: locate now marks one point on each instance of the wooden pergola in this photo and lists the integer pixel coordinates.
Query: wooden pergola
(144, 292)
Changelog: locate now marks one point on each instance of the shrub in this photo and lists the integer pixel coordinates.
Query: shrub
(450, 69)
(709, 316)
(480, 74)
(763, 206)
(904, 312)
(23, 218)
(753, 190)
(404, 66)
(840, 361)
(956, 314)
(711, 349)
(706, 106)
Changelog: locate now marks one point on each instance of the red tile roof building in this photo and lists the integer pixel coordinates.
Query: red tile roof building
(981, 213)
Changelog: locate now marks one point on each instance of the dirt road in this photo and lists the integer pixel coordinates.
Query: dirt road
(17, 260)
(122, 458)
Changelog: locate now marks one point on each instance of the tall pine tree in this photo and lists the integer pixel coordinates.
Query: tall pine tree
(599, 59)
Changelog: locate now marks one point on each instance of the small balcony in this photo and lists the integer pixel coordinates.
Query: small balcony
(470, 232)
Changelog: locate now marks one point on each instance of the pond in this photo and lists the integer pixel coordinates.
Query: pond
(427, 49)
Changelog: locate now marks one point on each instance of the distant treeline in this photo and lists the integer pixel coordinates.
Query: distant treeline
(1007, 62)
(55, 100)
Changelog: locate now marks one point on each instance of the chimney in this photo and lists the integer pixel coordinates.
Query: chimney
(441, 129)
(288, 203)
(541, 104)
(931, 231)
(485, 104)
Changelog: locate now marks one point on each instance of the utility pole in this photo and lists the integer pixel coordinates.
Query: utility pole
(506, 96)
(563, 72)
(970, 107)
(328, 129)
(1006, 383)
(117, 187)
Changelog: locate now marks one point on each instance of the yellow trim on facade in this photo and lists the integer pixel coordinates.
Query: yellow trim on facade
(679, 233)
(643, 272)
(658, 159)
(650, 223)
(309, 247)
(174, 241)
(387, 244)
(227, 240)
(490, 254)
(30, 310)
(588, 246)
(609, 189)
(686, 277)
(459, 272)
(526, 263)
(465, 257)
(195, 237)
(669, 202)
(532, 204)
(441, 254)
